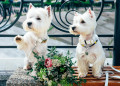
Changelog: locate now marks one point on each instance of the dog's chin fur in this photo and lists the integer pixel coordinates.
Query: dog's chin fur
(32, 29)
(35, 32)
(96, 55)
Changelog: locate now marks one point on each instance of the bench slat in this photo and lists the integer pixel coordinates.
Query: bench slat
(92, 81)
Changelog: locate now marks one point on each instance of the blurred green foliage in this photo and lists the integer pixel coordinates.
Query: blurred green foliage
(6, 2)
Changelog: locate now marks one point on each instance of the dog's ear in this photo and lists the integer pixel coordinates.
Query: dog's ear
(90, 12)
(76, 13)
(48, 8)
(31, 6)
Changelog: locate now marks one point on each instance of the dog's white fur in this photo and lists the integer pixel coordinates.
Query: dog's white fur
(85, 25)
(41, 19)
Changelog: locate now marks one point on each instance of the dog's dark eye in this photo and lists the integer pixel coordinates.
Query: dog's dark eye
(82, 21)
(38, 18)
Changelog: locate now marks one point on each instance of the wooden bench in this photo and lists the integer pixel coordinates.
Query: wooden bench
(20, 78)
(91, 81)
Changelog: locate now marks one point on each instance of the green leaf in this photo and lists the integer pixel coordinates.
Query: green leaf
(84, 80)
(54, 83)
(62, 69)
(42, 73)
(35, 78)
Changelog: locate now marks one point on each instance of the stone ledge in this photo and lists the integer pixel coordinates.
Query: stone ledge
(5, 75)
(20, 78)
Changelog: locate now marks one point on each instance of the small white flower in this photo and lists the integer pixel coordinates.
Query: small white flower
(46, 79)
(49, 72)
(64, 75)
(56, 62)
(69, 75)
(50, 83)
(50, 68)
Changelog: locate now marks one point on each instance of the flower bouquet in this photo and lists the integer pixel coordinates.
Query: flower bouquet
(56, 70)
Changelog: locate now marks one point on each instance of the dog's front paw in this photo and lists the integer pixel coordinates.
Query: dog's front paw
(97, 75)
(18, 39)
(82, 75)
(28, 67)
(25, 67)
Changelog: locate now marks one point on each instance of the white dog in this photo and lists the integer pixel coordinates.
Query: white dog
(89, 49)
(37, 23)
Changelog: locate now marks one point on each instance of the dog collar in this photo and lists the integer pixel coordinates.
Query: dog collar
(90, 44)
(44, 41)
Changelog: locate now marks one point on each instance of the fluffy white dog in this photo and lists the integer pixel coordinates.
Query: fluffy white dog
(36, 24)
(89, 49)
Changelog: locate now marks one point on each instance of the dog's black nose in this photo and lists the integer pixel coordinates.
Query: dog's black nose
(29, 23)
(73, 28)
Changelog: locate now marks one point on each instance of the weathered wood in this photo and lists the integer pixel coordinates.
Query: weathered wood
(92, 81)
